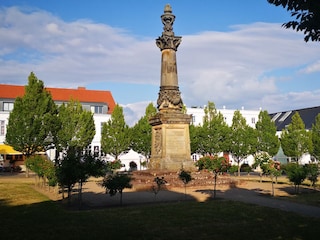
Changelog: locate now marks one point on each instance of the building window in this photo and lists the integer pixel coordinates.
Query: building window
(7, 106)
(253, 120)
(2, 127)
(96, 109)
(193, 119)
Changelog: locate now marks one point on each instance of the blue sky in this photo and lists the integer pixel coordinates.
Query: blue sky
(234, 53)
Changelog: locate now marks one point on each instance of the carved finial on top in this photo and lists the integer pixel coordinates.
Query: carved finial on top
(168, 40)
(167, 20)
(167, 8)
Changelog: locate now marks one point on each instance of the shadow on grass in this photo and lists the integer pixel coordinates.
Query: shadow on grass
(94, 200)
(189, 220)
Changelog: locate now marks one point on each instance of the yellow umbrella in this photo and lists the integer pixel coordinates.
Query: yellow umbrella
(8, 150)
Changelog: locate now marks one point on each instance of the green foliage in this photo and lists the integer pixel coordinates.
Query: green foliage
(266, 133)
(315, 135)
(75, 135)
(68, 170)
(233, 169)
(44, 168)
(271, 168)
(213, 164)
(141, 132)
(295, 140)
(77, 126)
(260, 158)
(115, 134)
(91, 167)
(114, 165)
(243, 139)
(116, 183)
(77, 167)
(33, 119)
(306, 14)
(211, 137)
(245, 168)
(185, 176)
(196, 135)
(296, 174)
(312, 173)
(159, 183)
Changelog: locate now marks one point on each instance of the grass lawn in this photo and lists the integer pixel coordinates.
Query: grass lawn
(27, 214)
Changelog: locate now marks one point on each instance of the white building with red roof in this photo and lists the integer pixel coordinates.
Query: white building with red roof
(100, 103)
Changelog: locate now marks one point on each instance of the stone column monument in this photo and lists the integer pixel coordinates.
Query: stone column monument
(170, 149)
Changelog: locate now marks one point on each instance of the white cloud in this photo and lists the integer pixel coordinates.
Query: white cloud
(134, 111)
(312, 68)
(235, 68)
(292, 100)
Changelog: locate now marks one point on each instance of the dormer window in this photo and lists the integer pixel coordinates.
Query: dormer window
(96, 109)
(8, 106)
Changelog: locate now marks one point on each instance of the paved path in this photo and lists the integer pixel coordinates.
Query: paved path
(253, 193)
(250, 196)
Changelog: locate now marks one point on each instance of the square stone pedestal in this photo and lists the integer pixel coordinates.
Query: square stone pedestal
(170, 149)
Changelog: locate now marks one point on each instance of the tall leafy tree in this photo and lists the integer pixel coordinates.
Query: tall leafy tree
(295, 140)
(306, 14)
(75, 135)
(33, 122)
(243, 139)
(77, 126)
(115, 134)
(266, 132)
(141, 132)
(215, 129)
(316, 137)
(211, 137)
(196, 139)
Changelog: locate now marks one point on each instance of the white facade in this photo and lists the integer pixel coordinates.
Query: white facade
(3, 125)
(132, 158)
(251, 117)
(99, 119)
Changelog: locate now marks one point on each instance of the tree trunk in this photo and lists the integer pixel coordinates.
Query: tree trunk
(27, 172)
(80, 194)
(260, 174)
(215, 185)
(69, 195)
(120, 197)
(272, 186)
(62, 191)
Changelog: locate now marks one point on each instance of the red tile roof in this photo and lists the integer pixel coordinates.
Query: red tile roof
(64, 94)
